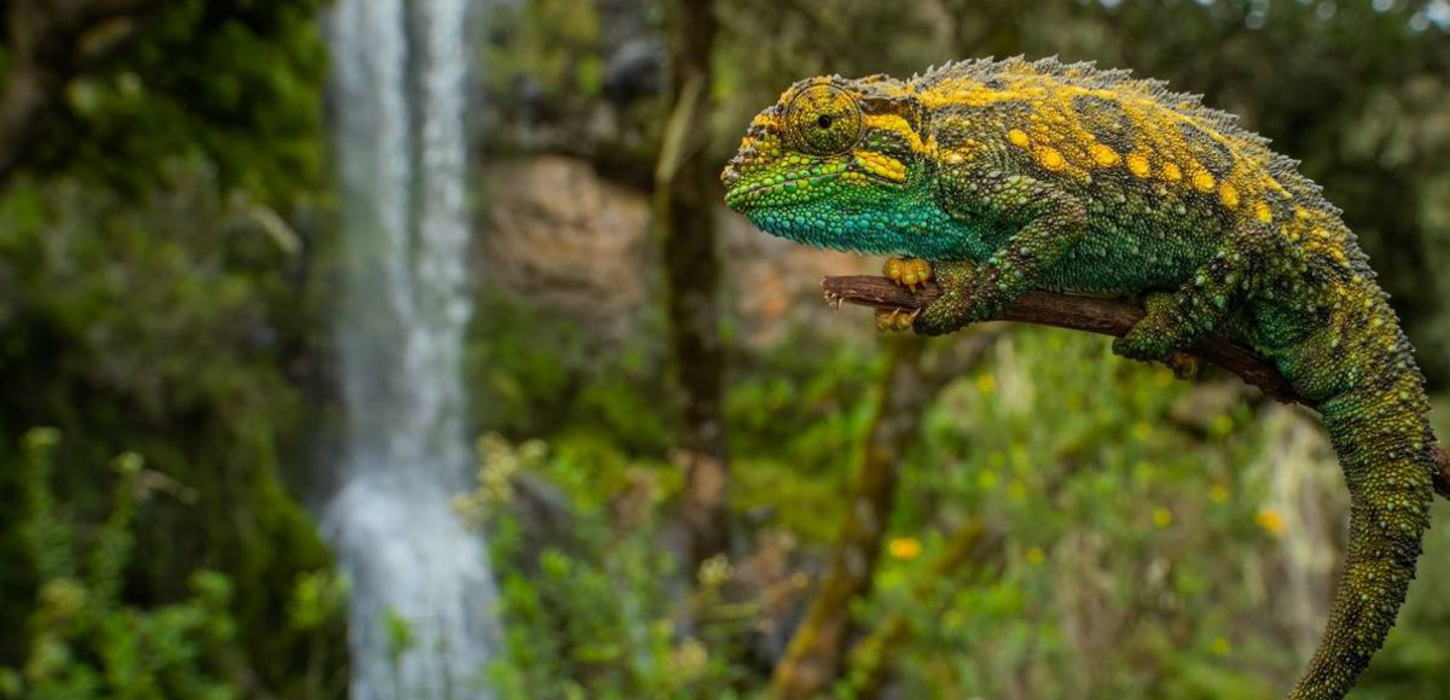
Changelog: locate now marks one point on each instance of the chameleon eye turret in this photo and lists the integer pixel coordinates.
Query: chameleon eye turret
(838, 163)
(823, 120)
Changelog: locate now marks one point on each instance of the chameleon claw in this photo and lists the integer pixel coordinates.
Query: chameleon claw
(907, 272)
(895, 320)
(834, 300)
(1184, 365)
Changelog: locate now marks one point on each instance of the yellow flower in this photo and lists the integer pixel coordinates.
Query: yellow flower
(689, 658)
(1220, 646)
(986, 383)
(715, 571)
(904, 547)
(1162, 517)
(1271, 521)
(1035, 555)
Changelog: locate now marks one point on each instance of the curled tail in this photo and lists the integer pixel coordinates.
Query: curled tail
(1380, 430)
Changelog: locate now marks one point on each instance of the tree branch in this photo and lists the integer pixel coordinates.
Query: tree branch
(1095, 315)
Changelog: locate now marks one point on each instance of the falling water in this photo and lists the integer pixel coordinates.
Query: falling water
(398, 89)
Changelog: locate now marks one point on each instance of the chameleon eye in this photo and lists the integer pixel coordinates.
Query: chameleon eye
(823, 120)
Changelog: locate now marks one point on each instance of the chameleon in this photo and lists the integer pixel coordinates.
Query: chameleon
(997, 177)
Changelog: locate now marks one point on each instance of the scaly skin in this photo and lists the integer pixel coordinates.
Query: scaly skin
(1011, 176)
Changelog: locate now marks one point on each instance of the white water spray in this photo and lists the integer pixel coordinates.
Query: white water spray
(398, 89)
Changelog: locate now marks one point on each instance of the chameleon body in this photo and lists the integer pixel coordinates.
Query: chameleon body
(1010, 176)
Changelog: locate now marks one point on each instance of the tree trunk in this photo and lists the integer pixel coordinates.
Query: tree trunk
(813, 659)
(686, 191)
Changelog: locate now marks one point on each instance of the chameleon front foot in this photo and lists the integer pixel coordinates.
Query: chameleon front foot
(894, 320)
(907, 272)
(1147, 348)
(1158, 338)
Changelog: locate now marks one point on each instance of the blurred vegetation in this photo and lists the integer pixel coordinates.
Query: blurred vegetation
(1058, 523)
(1144, 556)
(154, 298)
(83, 641)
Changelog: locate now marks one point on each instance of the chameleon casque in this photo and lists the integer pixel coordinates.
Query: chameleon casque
(999, 177)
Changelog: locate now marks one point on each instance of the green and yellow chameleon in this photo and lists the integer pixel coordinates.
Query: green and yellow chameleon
(999, 177)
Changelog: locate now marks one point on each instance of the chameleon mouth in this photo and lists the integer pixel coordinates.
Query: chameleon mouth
(787, 188)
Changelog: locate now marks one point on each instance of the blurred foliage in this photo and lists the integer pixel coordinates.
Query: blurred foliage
(553, 51)
(234, 82)
(587, 385)
(1132, 534)
(1142, 558)
(592, 612)
(166, 326)
(126, 322)
(153, 297)
(83, 642)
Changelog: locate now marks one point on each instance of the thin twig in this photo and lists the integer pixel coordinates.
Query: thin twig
(1095, 315)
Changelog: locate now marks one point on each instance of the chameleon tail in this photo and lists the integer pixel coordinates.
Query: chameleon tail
(1381, 432)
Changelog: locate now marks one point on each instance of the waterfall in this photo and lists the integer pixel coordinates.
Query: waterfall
(398, 98)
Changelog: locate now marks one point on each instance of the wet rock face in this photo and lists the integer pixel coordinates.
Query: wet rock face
(557, 232)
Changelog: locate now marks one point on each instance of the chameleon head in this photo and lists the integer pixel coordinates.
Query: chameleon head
(835, 163)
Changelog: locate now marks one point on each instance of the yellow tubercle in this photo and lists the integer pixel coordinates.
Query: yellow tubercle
(1171, 172)
(1050, 158)
(1138, 164)
(1262, 212)
(1104, 155)
(1203, 180)
(896, 125)
(1019, 138)
(1229, 195)
(881, 165)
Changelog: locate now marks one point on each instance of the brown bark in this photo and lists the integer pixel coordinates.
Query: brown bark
(812, 660)
(47, 44)
(685, 198)
(1097, 315)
